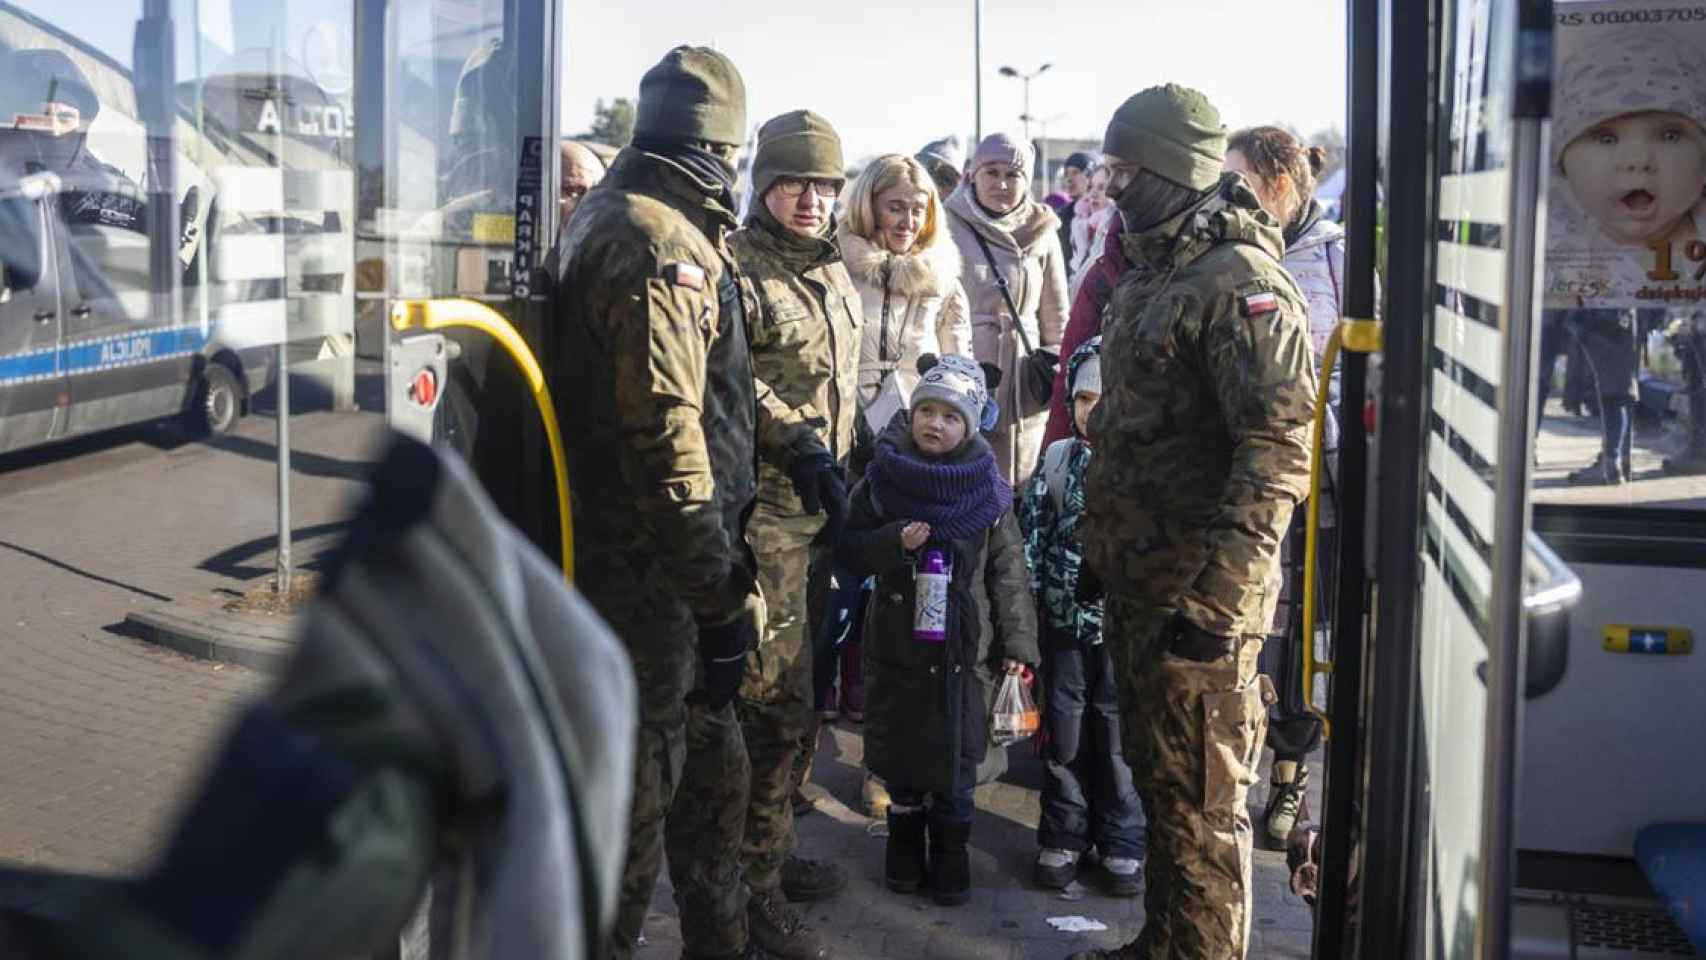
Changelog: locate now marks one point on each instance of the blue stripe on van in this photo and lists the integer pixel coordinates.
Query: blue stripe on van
(107, 353)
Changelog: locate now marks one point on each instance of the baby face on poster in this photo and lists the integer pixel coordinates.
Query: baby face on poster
(1629, 158)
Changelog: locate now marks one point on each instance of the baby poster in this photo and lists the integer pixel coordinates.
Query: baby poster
(1625, 226)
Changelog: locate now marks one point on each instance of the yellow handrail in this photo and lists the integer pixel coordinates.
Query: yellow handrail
(439, 314)
(1357, 336)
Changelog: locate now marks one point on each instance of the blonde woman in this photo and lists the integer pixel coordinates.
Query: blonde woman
(896, 247)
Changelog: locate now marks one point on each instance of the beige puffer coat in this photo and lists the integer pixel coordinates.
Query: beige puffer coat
(1026, 248)
(913, 305)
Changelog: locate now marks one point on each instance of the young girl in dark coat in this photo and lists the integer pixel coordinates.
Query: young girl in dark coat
(934, 510)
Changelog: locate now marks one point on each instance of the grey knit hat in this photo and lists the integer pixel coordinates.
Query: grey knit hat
(1634, 70)
(946, 151)
(694, 93)
(956, 381)
(1087, 376)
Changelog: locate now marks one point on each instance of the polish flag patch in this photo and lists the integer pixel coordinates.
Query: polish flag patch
(1256, 304)
(686, 275)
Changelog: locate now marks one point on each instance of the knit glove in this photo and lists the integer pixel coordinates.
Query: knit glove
(722, 650)
(822, 488)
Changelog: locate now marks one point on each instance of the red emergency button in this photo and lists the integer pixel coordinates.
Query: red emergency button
(423, 389)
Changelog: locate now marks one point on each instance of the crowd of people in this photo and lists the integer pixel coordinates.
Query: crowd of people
(827, 461)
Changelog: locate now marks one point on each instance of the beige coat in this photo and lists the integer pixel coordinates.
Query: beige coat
(927, 310)
(1026, 247)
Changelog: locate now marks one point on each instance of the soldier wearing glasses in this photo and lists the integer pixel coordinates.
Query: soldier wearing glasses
(805, 346)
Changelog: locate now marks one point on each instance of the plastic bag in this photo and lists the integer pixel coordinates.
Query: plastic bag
(1015, 716)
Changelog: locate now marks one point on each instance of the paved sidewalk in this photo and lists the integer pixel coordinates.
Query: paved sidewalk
(100, 733)
(1007, 918)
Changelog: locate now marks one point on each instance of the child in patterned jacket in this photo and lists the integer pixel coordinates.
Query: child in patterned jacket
(1088, 799)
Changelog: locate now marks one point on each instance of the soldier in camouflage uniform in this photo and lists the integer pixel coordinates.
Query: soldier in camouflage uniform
(805, 345)
(1201, 454)
(663, 422)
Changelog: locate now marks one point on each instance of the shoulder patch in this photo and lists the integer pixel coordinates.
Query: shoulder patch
(1258, 303)
(686, 275)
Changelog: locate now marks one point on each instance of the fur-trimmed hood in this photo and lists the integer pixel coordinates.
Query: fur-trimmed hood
(931, 272)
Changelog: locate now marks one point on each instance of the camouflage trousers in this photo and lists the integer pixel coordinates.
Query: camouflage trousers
(1193, 735)
(775, 703)
(690, 785)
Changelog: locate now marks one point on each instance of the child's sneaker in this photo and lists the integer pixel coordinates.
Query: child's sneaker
(1124, 875)
(1055, 868)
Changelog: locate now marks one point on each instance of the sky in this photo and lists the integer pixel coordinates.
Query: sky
(894, 74)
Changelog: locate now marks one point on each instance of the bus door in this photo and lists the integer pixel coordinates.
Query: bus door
(1446, 679)
(32, 381)
(458, 164)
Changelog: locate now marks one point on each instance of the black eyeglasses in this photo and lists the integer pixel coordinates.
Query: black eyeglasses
(792, 187)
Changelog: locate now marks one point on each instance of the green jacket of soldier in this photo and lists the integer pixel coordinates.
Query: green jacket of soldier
(657, 395)
(1202, 432)
(805, 343)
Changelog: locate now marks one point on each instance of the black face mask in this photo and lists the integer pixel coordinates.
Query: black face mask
(702, 163)
(1150, 199)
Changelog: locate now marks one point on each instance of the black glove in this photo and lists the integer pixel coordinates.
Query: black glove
(822, 488)
(1089, 587)
(723, 649)
(1191, 642)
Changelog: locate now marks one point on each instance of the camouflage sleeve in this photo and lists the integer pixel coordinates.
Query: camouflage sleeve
(658, 333)
(784, 432)
(1036, 518)
(1260, 365)
(1012, 611)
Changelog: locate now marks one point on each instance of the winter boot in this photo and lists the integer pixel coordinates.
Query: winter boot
(807, 880)
(1055, 869)
(1692, 460)
(1601, 472)
(874, 797)
(781, 932)
(950, 862)
(1288, 803)
(903, 860)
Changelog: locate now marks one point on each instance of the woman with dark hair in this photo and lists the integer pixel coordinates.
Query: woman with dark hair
(1283, 173)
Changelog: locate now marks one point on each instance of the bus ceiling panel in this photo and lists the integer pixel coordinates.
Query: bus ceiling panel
(1617, 745)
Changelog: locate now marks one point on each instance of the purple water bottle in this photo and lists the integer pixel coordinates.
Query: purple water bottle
(930, 600)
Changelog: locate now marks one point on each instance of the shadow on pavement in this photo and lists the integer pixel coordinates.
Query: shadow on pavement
(68, 568)
(232, 561)
(301, 461)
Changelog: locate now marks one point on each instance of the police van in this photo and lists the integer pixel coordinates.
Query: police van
(84, 345)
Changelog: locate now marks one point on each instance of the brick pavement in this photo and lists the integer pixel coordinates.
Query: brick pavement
(1007, 918)
(99, 732)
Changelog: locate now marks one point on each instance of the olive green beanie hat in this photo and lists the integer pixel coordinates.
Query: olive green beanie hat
(798, 144)
(694, 93)
(1172, 131)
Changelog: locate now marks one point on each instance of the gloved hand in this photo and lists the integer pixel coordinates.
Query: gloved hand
(1191, 642)
(1089, 587)
(822, 488)
(723, 649)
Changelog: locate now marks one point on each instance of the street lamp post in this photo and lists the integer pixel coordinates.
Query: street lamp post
(1026, 79)
(977, 71)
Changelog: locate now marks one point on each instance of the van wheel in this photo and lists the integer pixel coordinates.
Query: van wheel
(218, 402)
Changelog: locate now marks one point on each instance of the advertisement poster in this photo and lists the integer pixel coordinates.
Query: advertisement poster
(1625, 223)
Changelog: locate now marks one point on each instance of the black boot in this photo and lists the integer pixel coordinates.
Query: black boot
(950, 864)
(903, 866)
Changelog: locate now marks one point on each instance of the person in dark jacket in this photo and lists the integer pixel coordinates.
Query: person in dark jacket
(1075, 174)
(934, 510)
(1609, 341)
(1088, 797)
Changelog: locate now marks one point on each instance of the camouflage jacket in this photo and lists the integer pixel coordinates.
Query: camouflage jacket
(1202, 432)
(805, 345)
(1052, 549)
(654, 387)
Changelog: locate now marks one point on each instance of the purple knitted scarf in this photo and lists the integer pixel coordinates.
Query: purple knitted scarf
(959, 500)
